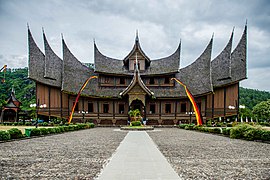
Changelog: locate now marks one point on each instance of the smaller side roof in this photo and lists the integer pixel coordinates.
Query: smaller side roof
(136, 80)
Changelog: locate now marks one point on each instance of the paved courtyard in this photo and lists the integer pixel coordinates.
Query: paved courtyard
(82, 155)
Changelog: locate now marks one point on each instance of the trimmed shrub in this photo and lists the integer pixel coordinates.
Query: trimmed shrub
(51, 130)
(71, 128)
(57, 129)
(239, 131)
(15, 124)
(198, 128)
(214, 130)
(20, 123)
(15, 133)
(43, 124)
(4, 136)
(265, 135)
(136, 123)
(66, 128)
(44, 131)
(226, 131)
(35, 132)
(61, 128)
(189, 127)
(252, 133)
(28, 124)
(182, 126)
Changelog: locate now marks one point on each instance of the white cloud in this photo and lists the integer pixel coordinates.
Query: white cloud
(113, 24)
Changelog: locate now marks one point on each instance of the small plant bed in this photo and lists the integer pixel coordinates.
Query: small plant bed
(137, 126)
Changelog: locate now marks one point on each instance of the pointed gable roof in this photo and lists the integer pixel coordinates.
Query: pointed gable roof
(53, 64)
(75, 73)
(36, 62)
(197, 76)
(239, 59)
(12, 101)
(221, 65)
(137, 47)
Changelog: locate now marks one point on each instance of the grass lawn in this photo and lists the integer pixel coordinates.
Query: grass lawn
(22, 128)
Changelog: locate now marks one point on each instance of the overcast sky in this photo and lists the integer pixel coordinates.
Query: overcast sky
(161, 25)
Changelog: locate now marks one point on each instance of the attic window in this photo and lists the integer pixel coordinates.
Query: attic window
(152, 80)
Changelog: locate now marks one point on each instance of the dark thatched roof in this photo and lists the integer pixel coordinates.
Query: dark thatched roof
(36, 63)
(167, 65)
(200, 77)
(197, 76)
(228, 68)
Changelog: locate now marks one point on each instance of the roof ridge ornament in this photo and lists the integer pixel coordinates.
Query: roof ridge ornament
(137, 36)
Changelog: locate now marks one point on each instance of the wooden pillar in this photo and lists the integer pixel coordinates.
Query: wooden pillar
(175, 109)
(159, 109)
(98, 108)
(61, 104)
(68, 104)
(49, 102)
(224, 103)
(213, 105)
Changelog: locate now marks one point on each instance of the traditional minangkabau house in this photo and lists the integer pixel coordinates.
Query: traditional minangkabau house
(146, 85)
(11, 109)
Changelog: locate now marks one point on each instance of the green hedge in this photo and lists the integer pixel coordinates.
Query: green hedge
(249, 132)
(15, 133)
(226, 131)
(238, 131)
(4, 136)
(35, 132)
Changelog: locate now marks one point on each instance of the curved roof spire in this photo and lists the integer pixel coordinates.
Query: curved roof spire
(136, 48)
(53, 64)
(137, 36)
(221, 65)
(239, 59)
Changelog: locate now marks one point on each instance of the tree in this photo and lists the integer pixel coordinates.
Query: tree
(262, 110)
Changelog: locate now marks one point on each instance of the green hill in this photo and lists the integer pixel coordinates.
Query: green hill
(24, 88)
(251, 97)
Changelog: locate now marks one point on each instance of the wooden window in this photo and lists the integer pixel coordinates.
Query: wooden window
(90, 107)
(76, 107)
(122, 80)
(105, 108)
(168, 108)
(183, 107)
(167, 80)
(121, 108)
(152, 80)
(106, 80)
(152, 108)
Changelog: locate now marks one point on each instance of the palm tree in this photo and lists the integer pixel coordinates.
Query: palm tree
(134, 114)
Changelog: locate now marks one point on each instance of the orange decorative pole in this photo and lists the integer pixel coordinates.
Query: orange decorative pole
(192, 100)
(77, 98)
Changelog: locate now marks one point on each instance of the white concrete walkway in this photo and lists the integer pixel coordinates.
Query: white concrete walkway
(137, 157)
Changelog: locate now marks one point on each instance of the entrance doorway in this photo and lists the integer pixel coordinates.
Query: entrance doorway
(137, 104)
